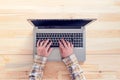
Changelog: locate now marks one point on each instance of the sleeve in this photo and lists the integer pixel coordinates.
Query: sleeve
(74, 68)
(37, 68)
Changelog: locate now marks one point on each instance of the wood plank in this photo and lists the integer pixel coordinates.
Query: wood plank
(60, 74)
(57, 2)
(102, 17)
(92, 63)
(103, 34)
(102, 45)
(59, 9)
(86, 67)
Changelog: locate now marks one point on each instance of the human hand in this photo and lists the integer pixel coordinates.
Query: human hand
(43, 48)
(66, 48)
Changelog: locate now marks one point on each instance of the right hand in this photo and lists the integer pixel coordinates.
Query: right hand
(66, 48)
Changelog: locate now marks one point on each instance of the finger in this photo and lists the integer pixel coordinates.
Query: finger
(68, 43)
(50, 50)
(38, 43)
(60, 44)
(71, 45)
(41, 43)
(64, 43)
(48, 46)
(45, 43)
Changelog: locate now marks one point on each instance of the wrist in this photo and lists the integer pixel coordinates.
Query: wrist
(70, 60)
(42, 54)
(66, 56)
(40, 59)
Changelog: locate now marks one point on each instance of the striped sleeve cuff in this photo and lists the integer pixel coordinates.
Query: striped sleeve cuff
(37, 68)
(40, 59)
(74, 68)
(70, 60)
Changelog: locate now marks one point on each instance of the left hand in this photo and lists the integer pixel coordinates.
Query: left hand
(43, 48)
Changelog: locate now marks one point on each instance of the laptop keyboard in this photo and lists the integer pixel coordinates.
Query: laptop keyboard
(75, 38)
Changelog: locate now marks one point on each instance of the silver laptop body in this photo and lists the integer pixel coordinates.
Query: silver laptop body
(80, 52)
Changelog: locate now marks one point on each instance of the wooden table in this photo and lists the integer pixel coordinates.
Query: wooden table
(102, 37)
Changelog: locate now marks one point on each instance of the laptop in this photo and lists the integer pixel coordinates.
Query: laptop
(72, 30)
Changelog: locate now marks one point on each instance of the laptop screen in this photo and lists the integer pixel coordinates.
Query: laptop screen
(60, 23)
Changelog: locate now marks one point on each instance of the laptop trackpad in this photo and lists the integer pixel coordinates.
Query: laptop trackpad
(55, 55)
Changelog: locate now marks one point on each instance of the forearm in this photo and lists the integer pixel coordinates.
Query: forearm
(37, 68)
(74, 68)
